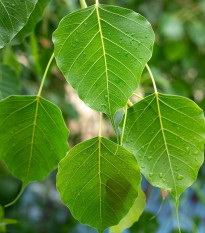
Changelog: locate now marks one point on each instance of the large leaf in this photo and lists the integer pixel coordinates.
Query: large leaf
(13, 16)
(167, 134)
(35, 17)
(133, 214)
(33, 136)
(98, 180)
(9, 82)
(102, 50)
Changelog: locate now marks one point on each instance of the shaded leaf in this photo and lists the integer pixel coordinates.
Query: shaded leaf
(98, 180)
(9, 82)
(33, 136)
(167, 134)
(102, 51)
(133, 214)
(35, 17)
(14, 15)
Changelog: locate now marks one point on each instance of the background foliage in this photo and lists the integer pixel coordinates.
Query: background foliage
(178, 65)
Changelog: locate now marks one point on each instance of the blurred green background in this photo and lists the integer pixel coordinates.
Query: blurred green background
(178, 64)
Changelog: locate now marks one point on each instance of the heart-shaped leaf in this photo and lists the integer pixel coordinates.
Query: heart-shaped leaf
(102, 51)
(167, 134)
(9, 82)
(14, 15)
(133, 215)
(33, 137)
(98, 180)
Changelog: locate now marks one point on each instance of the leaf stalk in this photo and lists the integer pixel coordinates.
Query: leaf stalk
(45, 74)
(152, 77)
(83, 4)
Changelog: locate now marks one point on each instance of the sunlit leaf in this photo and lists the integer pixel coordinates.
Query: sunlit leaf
(98, 180)
(167, 134)
(14, 15)
(133, 214)
(33, 136)
(102, 51)
(9, 82)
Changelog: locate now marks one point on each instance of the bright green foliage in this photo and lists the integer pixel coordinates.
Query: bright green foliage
(33, 136)
(98, 180)
(14, 15)
(167, 134)
(102, 51)
(133, 214)
(35, 16)
(9, 82)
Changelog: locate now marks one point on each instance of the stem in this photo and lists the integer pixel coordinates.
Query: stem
(45, 73)
(123, 128)
(129, 103)
(83, 4)
(100, 124)
(151, 75)
(137, 96)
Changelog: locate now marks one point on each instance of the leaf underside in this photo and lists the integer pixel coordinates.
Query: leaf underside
(33, 136)
(14, 15)
(102, 51)
(166, 134)
(98, 180)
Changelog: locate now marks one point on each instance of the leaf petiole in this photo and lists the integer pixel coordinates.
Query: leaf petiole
(123, 128)
(83, 4)
(100, 124)
(45, 74)
(137, 96)
(152, 77)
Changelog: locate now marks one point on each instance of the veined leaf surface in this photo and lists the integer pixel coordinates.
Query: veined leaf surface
(14, 15)
(102, 51)
(98, 180)
(133, 215)
(167, 134)
(35, 17)
(9, 82)
(33, 136)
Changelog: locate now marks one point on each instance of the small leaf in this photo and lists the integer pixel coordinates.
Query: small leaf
(14, 15)
(102, 51)
(34, 18)
(33, 137)
(9, 82)
(167, 134)
(98, 180)
(133, 214)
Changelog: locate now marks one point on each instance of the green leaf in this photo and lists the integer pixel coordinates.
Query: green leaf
(133, 214)
(14, 15)
(102, 51)
(10, 59)
(1, 212)
(167, 134)
(9, 82)
(2, 228)
(33, 137)
(35, 17)
(98, 180)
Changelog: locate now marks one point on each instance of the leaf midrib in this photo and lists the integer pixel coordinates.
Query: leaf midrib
(104, 54)
(32, 138)
(165, 142)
